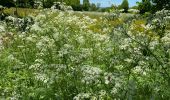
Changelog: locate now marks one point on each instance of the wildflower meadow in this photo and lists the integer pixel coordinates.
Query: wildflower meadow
(67, 55)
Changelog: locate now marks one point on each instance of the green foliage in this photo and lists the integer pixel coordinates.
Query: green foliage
(105, 9)
(48, 3)
(77, 7)
(125, 5)
(153, 5)
(25, 3)
(19, 3)
(93, 7)
(161, 4)
(72, 2)
(144, 6)
(134, 7)
(86, 5)
(30, 3)
(7, 3)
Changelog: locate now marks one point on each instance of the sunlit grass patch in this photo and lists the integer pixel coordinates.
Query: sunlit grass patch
(138, 25)
(21, 12)
(105, 26)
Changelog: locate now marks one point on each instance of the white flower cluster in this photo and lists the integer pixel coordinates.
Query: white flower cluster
(41, 77)
(61, 6)
(44, 43)
(141, 69)
(82, 96)
(35, 27)
(166, 39)
(91, 74)
(21, 24)
(133, 11)
(2, 28)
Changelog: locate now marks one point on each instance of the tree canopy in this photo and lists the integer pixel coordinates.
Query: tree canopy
(30, 3)
(125, 5)
(144, 6)
(161, 4)
(86, 5)
(7, 3)
(153, 5)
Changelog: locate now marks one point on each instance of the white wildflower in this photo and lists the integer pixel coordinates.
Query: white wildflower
(114, 91)
(81, 40)
(36, 66)
(2, 29)
(166, 39)
(128, 60)
(40, 17)
(153, 44)
(108, 77)
(41, 77)
(81, 96)
(36, 27)
(91, 74)
(102, 92)
(120, 67)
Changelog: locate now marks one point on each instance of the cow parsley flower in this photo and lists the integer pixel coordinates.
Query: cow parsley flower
(91, 74)
(2, 28)
(35, 27)
(81, 39)
(82, 96)
(108, 77)
(41, 77)
(166, 39)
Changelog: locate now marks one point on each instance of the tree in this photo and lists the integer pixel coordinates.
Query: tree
(86, 5)
(72, 2)
(77, 7)
(144, 6)
(114, 7)
(153, 5)
(49, 3)
(125, 5)
(24, 3)
(98, 5)
(20, 3)
(7, 3)
(93, 7)
(161, 4)
(31, 3)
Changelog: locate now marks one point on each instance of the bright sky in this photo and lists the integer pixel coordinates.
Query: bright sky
(107, 3)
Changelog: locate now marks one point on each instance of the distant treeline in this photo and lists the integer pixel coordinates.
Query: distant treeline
(143, 6)
(31, 3)
(48, 3)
